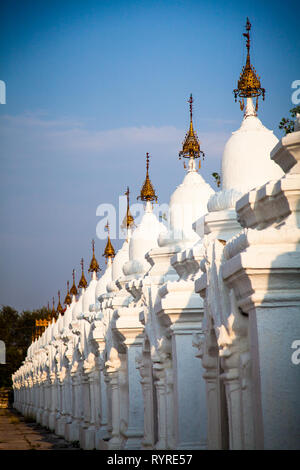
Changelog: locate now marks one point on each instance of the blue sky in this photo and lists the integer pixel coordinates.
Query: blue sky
(94, 85)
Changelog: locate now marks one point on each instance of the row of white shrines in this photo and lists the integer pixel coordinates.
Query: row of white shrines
(186, 341)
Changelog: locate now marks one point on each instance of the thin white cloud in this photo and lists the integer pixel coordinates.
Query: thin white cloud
(35, 132)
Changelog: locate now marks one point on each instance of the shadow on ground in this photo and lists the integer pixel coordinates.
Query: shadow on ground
(19, 433)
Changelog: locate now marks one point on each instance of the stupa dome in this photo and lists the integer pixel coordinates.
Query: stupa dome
(88, 297)
(77, 310)
(188, 204)
(119, 261)
(246, 161)
(102, 282)
(143, 239)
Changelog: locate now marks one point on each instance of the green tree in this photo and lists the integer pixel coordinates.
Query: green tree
(217, 178)
(16, 331)
(288, 125)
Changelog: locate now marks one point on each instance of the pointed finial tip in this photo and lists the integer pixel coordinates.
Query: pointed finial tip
(249, 82)
(128, 220)
(82, 282)
(94, 265)
(109, 251)
(147, 192)
(191, 145)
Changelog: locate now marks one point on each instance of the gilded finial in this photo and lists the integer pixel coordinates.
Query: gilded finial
(94, 266)
(68, 299)
(191, 144)
(147, 191)
(128, 220)
(109, 251)
(49, 316)
(53, 313)
(73, 290)
(191, 107)
(82, 282)
(249, 83)
(59, 307)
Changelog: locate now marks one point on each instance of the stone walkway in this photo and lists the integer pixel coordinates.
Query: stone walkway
(16, 433)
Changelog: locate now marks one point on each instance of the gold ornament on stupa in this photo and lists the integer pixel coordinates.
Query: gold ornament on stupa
(59, 309)
(82, 282)
(68, 299)
(147, 192)
(191, 144)
(109, 251)
(94, 266)
(249, 82)
(128, 221)
(49, 316)
(73, 290)
(53, 313)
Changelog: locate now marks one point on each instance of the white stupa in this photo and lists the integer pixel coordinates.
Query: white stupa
(188, 202)
(246, 161)
(88, 299)
(78, 307)
(145, 236)
(109, 254)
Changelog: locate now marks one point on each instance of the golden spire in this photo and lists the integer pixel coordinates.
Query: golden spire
(60, 310)
(94, 266)
(248, 83)
(128, 220)
(191, 144)
(82, 282)
(53, 313)
(68, 299)
(49, 316)
(73, 290)
(109, 251)
(147, 191)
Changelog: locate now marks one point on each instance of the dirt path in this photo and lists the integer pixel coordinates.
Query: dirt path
(17, 434)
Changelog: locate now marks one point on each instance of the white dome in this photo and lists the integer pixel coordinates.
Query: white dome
(120, 259)
(102, 282)
(246, 161)
(89, 295)
(68, 315)
(143, 239)
(188, 204)
(60, 324)
(77, 310)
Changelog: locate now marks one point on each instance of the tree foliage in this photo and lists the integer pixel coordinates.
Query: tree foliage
(288, 125)
(217, 178)
(16, 331)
